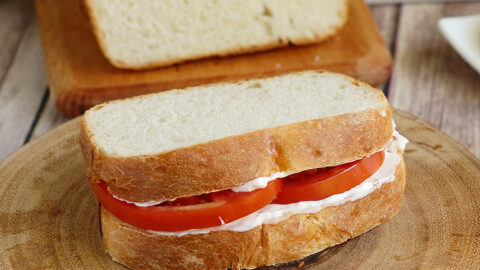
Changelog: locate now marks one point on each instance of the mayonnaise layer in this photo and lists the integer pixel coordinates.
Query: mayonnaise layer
(260, 182)
(139, 204)
(274, 213)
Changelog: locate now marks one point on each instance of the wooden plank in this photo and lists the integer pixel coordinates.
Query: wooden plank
(21, 92)
(393, 2)
(81, 77)
(49, 118)
(14, 18)
(430, 78)
(386, 19)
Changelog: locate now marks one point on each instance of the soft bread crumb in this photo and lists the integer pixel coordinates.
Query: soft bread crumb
(174, 119)
(143, 33)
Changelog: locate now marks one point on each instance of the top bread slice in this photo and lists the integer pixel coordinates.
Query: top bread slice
(207, 138)
(139, 34)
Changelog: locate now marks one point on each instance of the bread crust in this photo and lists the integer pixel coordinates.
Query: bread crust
(232, 161)
(119, 63)
(289, 240)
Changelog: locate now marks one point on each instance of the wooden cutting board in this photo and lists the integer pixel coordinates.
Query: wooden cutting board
(80, 76)
(49, 216)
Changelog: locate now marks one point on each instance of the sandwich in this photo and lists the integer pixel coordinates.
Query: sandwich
(138, 34)
(242, 174)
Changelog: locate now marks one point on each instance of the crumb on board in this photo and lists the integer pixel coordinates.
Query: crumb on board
(300, 265)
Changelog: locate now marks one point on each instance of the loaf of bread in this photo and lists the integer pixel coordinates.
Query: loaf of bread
(139, 34)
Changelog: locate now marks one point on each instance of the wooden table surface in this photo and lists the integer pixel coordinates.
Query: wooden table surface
(429, 78)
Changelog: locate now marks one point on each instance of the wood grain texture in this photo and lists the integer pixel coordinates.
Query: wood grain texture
(386, 20)
(80, 76)
(49, 217)
(430, 79)
(21, 92)
(48, 119)
(15, 16)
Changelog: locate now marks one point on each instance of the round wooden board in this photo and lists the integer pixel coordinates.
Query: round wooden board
(49, 217)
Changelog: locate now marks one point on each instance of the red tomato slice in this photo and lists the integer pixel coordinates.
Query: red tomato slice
(196, 212)
(317, 184)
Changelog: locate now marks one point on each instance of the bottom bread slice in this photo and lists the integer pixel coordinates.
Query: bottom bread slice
(269, 244)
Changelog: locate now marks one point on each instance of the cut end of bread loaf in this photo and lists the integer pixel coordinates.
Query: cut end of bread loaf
(141, 33)
(202, 139)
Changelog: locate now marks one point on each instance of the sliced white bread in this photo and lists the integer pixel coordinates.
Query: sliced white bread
(143, 33)
(202, 139)
(268, 244)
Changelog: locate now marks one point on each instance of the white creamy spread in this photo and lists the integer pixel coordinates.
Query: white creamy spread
(260, 182)
(139, 204)
(274, 213)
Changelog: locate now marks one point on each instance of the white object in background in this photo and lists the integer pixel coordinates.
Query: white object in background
(463, 33)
